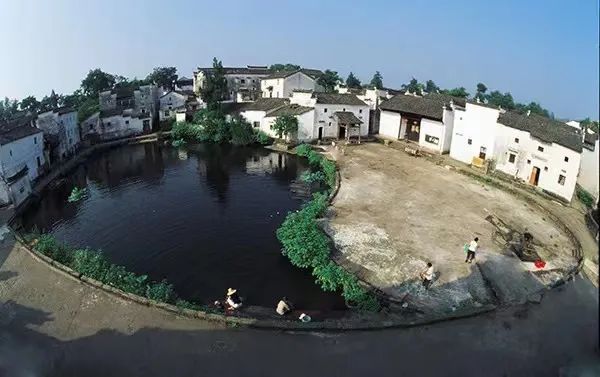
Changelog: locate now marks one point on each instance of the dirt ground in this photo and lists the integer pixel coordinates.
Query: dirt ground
(394, 213)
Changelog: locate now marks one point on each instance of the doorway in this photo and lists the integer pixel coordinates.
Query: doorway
(342, 133)
(534, 178)
(413, 127)
(320, 133)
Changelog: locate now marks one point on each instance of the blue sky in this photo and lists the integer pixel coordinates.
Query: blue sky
(545, 51)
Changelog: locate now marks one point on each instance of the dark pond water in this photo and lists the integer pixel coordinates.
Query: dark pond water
(204, 219)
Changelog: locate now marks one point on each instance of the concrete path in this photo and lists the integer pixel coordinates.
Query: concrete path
(51, 325)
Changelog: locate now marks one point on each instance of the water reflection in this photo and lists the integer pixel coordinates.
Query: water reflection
(205, 220)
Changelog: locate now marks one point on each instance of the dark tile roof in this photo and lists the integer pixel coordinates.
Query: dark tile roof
(249, 70)
(265, 104)
(445, 99)
(347, 117)
(17, 129)
(428, 107)
(303, 90)
(313, 73)
(110, 113)
(184, 80)
(545, 129)
(590, 139)
(234, 108)
(292, 109)
(338, 99)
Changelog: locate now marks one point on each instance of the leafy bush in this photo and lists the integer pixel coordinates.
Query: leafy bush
(184, 304)
(585, 197)
(329, 170)
(303, 150)
(187, 132)
(93, 264)
(162, 291)
(262, 138)
(167, 124)
(178, 143)
(312, 177)
(285, 125)
(241, 132)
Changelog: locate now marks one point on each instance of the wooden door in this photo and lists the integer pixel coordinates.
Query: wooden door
(320, 133)
(534, 177)
(413, 127)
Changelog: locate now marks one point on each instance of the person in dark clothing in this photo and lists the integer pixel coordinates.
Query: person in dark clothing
(233, 299)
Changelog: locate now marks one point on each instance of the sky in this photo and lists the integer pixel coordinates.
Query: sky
(544, 51)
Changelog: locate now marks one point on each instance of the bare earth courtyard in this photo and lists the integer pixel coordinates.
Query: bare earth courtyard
(394, 213)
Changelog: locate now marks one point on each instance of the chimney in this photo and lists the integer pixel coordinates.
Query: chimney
(528, 112)
(477, 99)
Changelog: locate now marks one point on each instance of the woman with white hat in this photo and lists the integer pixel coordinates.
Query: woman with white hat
(233, 299)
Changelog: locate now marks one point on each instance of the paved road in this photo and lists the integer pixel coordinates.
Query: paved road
(53, 326)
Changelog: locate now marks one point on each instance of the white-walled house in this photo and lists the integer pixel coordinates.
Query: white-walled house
(281, 84)
(175, 100)
(537, 150)
(589, 171)
(114, 124)
(332, 112)
(21, 159)
(243, 83)
(305, 116)
(184, 84)
(255, 112)
(61, 131)
(428, 121)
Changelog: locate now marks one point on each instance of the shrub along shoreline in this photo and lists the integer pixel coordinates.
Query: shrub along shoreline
(307, 246)
(95, 265)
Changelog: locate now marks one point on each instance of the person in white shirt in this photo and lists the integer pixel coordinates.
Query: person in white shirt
(427, 276)
(473, 246)
(282, 307)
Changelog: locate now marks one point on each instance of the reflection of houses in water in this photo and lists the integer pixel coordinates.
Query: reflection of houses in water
(144, 161)
(268, 164)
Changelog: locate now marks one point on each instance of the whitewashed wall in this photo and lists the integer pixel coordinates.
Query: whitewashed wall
(324, 113)
(169, 103)
(477, 124)
(550, 161)
(434, 129)
(389, 124)
(253, 116)
(25, 151)
(589, 175)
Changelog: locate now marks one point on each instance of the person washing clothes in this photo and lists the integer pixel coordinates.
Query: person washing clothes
(283, 307)
(233, 299)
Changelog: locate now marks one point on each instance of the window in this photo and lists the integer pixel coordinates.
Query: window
(70, 141)
(566, 159)
(360, 111)
(108, 124)
(511, 158)
(528, 162)
(561, 180)
(325, 110)
(545, 168)
(432, 139)
(256, 124)
(541, 149)
(126, 122)
(35, 140)
(10, 152)
(39, 162)
(91, 127)
(243, 81)
(167, 113)
(344, 109)
(329, 124)
(517, 140)
(469, 141)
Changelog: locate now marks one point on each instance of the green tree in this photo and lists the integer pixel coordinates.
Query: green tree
(29, 103)
(457, 92)
(328, 80)
(591, 124)
(8, 109)
(215, 85)
(284, 67)
(73, 100)
(431, 87)
(413, 86)
(480, 93)
(241, 131)
(164, 77)
(534, 108)
(505, 100)
(352, 81)
(49, 102)
(97, 81)
(377, 80)
(87, 108)
(285, 125)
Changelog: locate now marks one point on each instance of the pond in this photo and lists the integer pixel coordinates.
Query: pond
(204, 218)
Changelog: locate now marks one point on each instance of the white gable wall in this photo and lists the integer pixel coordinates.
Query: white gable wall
(474, 128)
(324, 114)
(389, 124)
(430, 131)
(589, 171)
(25, 151)
(254, 117)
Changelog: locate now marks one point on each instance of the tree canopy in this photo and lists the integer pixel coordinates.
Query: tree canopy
(285, 125)
(480, 93)
(377, 80)
(431, 87)
(164, 77)
(352, 81)
(284, 67)
(328, 80)
(97, 81)
(457, 92)
(413, 86)
(215, 87)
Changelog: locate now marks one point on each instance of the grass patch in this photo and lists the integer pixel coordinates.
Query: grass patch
(584, 197)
